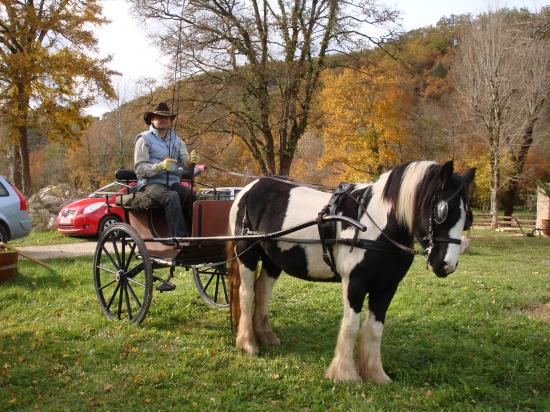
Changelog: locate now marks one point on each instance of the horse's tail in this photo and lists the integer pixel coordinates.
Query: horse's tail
(234, 284)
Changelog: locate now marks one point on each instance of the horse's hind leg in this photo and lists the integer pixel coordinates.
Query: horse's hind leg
(370, 358)
(246, 339)
(342, 368)
(263, 289)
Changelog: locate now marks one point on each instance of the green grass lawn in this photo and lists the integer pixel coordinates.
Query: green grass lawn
(461, 343)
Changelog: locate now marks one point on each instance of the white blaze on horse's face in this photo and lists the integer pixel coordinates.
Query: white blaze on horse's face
(450, 261)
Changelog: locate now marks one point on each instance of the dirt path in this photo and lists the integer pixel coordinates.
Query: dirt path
(59, 251)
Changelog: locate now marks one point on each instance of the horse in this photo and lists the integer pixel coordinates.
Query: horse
(420, 200)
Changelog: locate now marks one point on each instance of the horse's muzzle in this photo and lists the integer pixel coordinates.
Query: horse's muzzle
(443, 269)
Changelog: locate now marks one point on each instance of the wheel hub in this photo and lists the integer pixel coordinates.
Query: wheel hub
(119, 275)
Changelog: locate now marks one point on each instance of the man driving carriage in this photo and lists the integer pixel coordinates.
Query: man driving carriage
(161, 158)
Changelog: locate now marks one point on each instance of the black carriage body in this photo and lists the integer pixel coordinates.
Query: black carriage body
(129, 256)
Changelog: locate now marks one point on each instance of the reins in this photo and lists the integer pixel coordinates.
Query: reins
(285, 179)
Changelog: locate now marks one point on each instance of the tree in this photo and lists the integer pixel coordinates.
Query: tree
(255, 65)
(500, 73)
(364, 121)
(535, 90)
(47, 77)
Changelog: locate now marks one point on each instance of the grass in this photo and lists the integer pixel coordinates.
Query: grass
(461, 343)
(47, 237)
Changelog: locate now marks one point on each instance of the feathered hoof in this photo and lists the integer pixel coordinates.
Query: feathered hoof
(376, 376)
(340, 372)
(248, 347)
(268, 338)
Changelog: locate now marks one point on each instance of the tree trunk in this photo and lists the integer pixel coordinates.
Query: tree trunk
(22, 130)
(495, 183)
(15, 165)
(25, 167)
(511, 194)
(508, 199)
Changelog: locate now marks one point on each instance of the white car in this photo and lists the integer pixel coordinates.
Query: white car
(219, 193)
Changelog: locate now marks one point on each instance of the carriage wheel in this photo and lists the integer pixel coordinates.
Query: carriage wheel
(213, 285)
(123, 275)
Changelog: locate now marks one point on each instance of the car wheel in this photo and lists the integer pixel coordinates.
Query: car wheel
(106, 222)
(3, 233)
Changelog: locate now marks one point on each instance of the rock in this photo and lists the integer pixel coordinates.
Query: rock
(52, 223)
(51, 200)
(44, 206)
(44, 214)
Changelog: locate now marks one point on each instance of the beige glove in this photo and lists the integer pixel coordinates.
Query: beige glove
(167, 164)
(194, 158)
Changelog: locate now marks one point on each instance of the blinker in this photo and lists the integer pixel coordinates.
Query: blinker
(441, 212)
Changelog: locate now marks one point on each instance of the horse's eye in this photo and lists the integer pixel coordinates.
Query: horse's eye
(441, 212)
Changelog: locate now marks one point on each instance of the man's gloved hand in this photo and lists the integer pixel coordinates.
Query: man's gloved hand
(194, 158)
(167, 164)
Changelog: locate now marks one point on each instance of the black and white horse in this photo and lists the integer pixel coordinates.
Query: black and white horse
(424, 200)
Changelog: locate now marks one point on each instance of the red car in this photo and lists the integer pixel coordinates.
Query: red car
(89, 216)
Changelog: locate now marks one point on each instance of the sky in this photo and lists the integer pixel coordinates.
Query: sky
(134, 55)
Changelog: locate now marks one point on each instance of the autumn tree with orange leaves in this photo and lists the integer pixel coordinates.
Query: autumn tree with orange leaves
(364, 118)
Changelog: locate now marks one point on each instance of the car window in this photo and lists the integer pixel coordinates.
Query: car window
(3, 190)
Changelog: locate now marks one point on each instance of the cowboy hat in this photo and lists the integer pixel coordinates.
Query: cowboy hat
(161, 110)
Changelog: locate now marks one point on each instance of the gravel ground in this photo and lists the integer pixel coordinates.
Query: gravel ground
(59, 251)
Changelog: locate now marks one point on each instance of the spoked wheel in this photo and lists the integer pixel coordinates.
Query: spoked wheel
(123, 275)
(212, 284)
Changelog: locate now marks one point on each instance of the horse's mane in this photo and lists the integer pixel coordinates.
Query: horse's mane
(410, 188)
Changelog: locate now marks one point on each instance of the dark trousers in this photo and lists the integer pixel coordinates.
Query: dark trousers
(177, 202)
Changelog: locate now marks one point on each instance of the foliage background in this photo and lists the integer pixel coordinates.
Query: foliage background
(376, 108)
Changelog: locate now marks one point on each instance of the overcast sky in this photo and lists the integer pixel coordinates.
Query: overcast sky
(134, 56)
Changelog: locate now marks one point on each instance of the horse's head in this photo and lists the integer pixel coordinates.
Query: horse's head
(445, 215)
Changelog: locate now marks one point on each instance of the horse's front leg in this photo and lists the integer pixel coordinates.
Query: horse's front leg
(342, 368)
(263, 289)
(246, 339)
(370, 358)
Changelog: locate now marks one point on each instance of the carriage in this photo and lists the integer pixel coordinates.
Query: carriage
(130, 258)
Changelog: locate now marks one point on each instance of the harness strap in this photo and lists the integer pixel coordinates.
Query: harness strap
(360, 209)
(329, 260)
(376, 246)
(447, 240)
(327, 230)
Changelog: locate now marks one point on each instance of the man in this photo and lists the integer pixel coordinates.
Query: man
(160, 159)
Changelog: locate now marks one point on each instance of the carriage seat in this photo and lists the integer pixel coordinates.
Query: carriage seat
(126, 175)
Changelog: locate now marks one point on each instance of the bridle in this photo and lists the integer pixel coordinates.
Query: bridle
(439, 212)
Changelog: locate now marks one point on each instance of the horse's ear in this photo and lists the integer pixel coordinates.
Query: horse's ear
(446, 172)
(469, 176)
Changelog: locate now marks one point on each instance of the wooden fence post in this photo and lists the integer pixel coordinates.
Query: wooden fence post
(543, 208)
